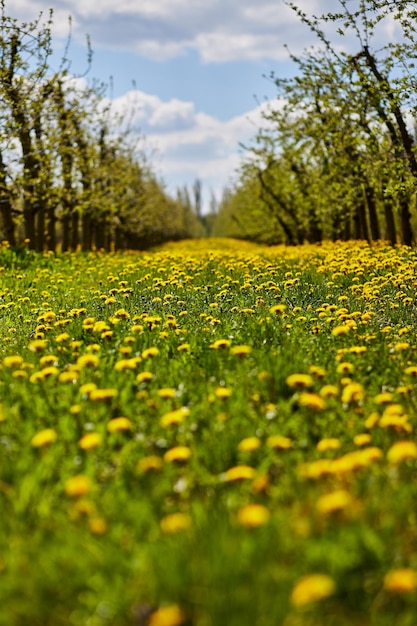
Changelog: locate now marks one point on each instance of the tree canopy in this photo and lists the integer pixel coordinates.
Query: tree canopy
(336, 156)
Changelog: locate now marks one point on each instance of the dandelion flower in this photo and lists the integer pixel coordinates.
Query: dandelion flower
(78, 486)
(400, 581)
(253, 515)
(299, 381)
(90, 441)
(402, 451)
(13, 361)
(241, 351)
(97, 525)
(249, 444)
(150, 353)
(149, 463)
(171, 615)
(175, 522)
(103, 394)
(119, 424)
(343, 329)
(334, 502)
(174, 417)
(88, 360)
(220, 343)
(239, 472)
(167, 393)
(223, 392)
(44, 438)
(144, 377)
(362, 439)
(177, 454)
(312, 401)
(279, 442)
(329, 443)
(312, 588)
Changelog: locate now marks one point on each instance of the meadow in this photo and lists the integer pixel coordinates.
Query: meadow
(212, 433)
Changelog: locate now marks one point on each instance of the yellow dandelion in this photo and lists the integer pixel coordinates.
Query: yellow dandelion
(400, 581)
(312, 588)
(144, 377)
(343, 329)
(317, 371)
(353, 392)
(70, 376)
(279, 442)
(384, 398)
(239, 472)
(13, 361)
(78, 486)
(411, 370)
(312, 401)
(345, 368)
(97, 525)
(44, 438)
(241, 351)
(119, 424)
(174, 417)
(102, 394)
(249, 444)
(183, 347)
(220, 343)
(88, 360)
(316, 469)
(362, 439)
(37, 345)
(329, 391)
(127, 364)
(329, 443)
(150, 353)
(299, 381)
(90, 440)
(171, 615)
(167, 393)
(222, 392)
(149, 463)
(253, 515)
(62, 337)
(177, 454)
(334, 502)
(402, 451)
(175, 522)
(278, 308)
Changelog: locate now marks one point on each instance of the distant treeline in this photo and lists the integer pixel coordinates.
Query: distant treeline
(336, 157)
(71, 173)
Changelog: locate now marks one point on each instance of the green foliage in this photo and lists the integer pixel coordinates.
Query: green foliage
(70, 173)
(337, 154)
(213, 432)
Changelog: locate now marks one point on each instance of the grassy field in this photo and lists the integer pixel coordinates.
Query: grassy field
(210, 434)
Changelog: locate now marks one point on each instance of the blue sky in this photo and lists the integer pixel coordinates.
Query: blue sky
(193, 71)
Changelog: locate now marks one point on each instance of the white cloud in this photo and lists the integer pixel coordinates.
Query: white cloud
(187, 144)
(219, 30)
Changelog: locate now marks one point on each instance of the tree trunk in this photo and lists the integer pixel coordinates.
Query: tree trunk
(51, 229)
(373, 214)
(87, 232)
(40, 229)
(66, 231)
(390, 222)
(6, 207)
(75, 235)
(406, 228)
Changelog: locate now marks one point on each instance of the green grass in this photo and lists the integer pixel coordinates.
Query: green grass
(156, 529)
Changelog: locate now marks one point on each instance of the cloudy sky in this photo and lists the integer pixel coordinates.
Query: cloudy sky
(195, 71)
